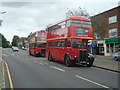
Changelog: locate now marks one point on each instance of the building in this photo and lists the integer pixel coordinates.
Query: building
(23, 43)
(106, 27)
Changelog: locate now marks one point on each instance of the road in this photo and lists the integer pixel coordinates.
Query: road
(36, 72)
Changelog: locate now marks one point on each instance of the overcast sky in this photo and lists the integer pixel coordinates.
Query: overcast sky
(33, 16)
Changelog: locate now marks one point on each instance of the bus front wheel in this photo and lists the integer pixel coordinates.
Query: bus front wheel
(68, 63)
(90, 63)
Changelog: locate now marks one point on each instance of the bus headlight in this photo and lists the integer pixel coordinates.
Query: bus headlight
(75, 56)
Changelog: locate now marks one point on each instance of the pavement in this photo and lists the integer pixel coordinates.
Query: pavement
(106, 62)
(2, 85)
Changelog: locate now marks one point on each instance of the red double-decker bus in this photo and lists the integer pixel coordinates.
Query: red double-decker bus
(67, 41)
(37, 43)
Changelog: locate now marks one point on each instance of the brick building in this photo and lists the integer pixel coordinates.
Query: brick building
(106, 27)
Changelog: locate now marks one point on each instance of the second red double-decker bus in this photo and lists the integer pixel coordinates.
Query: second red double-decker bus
(67, 41)
(37, 43)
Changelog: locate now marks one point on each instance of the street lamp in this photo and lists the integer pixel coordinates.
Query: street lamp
(0, 19)
(3, 12)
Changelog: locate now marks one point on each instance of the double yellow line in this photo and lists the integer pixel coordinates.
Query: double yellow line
(9, 76)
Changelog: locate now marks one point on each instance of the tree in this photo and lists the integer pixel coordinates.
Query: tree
(5, 43)
(77, 12)
(100, 27)
(15, 40)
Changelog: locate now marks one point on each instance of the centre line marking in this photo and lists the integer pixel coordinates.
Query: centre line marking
(12, 54)
(45, 63)
(4, 55)
(35, 61)
(41, 63)
(94, 82)
(57, 68)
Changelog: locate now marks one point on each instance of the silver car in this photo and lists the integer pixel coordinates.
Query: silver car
(116, 56)
(15, 49)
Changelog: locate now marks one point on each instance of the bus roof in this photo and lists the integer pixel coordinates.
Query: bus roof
(72, 18)
(38, 31)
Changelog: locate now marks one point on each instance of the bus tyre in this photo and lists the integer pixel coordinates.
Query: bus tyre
(68, 63)
(89, 63)
(30, 53)
(49, 57)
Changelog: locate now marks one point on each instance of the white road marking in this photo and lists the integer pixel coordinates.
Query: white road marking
(35, 61)
(94, 82)
(51, 66)
(57, 68)
(12, 54)
(45, 63)
(41, 63)
(4, 55)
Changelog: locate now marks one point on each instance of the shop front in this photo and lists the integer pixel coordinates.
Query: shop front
(111, 45)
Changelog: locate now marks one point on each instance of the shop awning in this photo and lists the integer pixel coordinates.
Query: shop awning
(112, 40)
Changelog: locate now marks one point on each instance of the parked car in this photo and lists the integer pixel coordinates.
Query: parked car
(116, 56)
(15, 49)
(23, 48)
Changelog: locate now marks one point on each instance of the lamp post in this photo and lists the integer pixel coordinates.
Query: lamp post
(0, 19)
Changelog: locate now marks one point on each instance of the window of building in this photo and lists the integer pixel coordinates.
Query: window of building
(113, 32)
(112, 19)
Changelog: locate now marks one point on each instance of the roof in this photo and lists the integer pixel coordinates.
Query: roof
(106, 11)
(72, 18)
(38, 31)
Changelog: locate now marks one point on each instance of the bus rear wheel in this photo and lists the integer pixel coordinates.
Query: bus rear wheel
(68, 63)
(50, 57)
